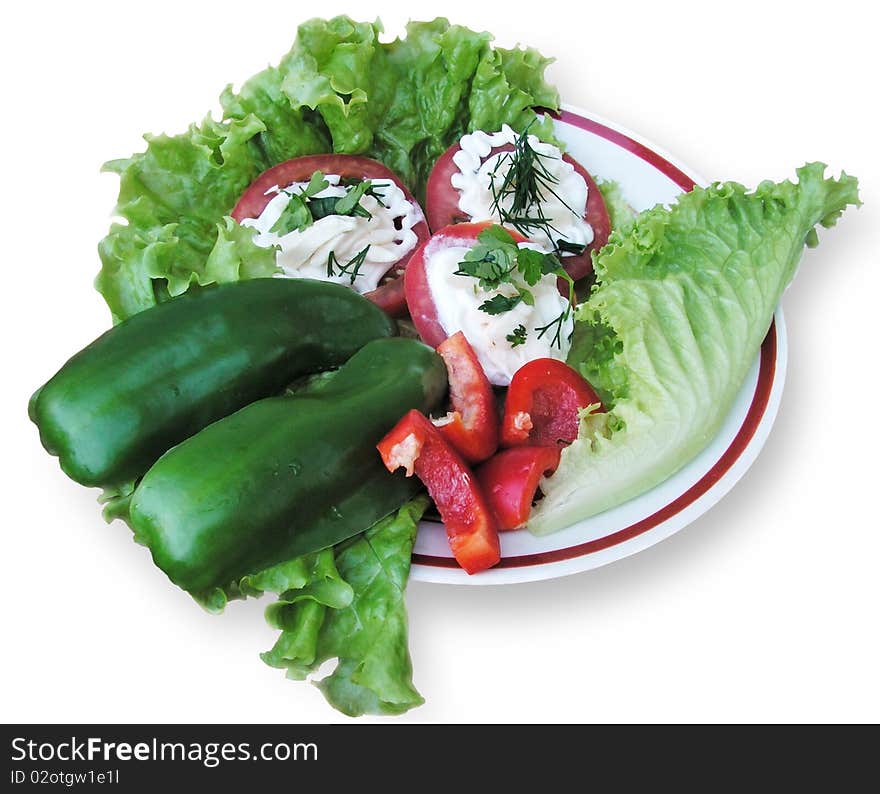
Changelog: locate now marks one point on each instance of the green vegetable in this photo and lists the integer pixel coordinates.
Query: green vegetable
(352, 609)
(338, 90)
(500, 304)
(164, 374)
(497, 260)
(683, 300)
(294, 217)
(234, 256)
(620, 211)
(302, 209)
(518, 197)
(351, 268)
(174, 198)
(349, 204)
(518, 336)
(284, 476)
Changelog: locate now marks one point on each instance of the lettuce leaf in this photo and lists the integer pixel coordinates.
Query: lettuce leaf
(338, 90)
(234, 257)
(300, 577)
(620, 211)
(683, 300)
(351, 608)
(447, 81)
(301, 609)
(172, 198)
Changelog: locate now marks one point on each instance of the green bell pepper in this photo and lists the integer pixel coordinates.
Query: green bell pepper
(164, 374)
(286, 475)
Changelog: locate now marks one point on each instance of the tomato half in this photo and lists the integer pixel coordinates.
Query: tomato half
(441, 206)
(389, 295)
(418, 293)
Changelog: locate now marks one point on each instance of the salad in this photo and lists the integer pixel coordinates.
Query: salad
(379, 284)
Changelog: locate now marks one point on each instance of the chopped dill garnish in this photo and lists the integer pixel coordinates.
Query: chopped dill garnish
(351, 269)
(525, 185)
(566, 247)
(556, 324)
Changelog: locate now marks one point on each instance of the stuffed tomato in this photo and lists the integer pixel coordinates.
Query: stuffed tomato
(526, 185)
(337, 217)
(493, 286)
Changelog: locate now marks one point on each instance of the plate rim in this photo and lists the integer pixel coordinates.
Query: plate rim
(687, 506)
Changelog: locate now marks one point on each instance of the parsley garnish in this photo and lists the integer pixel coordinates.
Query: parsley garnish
(498, 304)
(294, 217)
(492, 260)
(370, 190)
(518, 337)
(297, 215)
(305, 208)
(496, 259)
(350, 204)
(317, 183)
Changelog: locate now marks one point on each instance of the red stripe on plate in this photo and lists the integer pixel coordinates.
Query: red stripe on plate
(766, 374)
(625, 142)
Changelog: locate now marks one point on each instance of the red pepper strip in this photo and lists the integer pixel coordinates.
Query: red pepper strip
(472, 426)
(510, 480)
(542, 404)
(417, 445)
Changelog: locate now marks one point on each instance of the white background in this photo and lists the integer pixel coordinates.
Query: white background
(765, 609)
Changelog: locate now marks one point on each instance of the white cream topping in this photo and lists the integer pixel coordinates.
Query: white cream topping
(477, 171)
(304, 254)
(458, 298)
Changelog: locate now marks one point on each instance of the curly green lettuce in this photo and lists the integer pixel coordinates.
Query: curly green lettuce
(339, 89)
(620, 211)
(350, 607)
(683, 300)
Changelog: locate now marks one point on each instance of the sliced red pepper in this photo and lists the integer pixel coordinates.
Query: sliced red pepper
(510, 480)
(417, 445)
(472, 425)
(542, 404)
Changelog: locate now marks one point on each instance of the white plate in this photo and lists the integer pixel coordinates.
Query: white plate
(647, 176)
